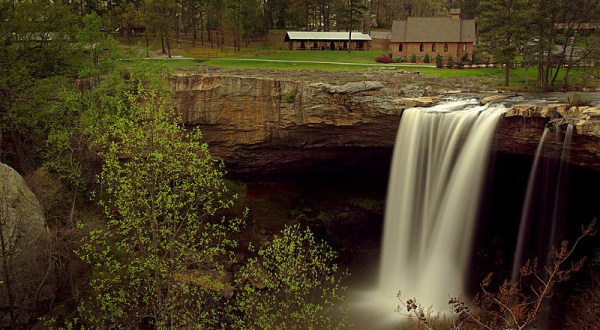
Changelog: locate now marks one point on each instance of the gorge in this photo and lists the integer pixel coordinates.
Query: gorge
(343, 129)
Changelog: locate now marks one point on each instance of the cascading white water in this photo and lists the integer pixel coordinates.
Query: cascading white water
(524, 222)
(547, 207)
(439, 163)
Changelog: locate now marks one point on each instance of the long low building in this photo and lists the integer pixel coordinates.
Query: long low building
(303, 40)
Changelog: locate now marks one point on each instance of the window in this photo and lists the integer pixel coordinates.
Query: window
(421, 48)
(400, 47)
(464, 47)
(433, 47)
(445, 47)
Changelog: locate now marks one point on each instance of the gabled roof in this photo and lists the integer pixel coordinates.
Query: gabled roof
(433, 29)
(329, 36)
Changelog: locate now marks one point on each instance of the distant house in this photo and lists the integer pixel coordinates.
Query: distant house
(445, 36)
(303, 40)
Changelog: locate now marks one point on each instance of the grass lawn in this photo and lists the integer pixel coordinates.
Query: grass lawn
(187, 57)
(360, 60)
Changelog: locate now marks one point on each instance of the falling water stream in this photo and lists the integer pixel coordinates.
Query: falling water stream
(439, 164)
(440, 159)
(541, 222)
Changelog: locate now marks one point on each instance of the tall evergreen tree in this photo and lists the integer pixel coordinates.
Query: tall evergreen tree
(504, 28)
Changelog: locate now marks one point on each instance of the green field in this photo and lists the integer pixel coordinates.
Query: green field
(188, 58)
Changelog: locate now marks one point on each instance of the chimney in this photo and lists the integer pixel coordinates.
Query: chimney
(455, 13)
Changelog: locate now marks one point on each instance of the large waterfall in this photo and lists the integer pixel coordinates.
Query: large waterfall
(439, 163)
(436, 195)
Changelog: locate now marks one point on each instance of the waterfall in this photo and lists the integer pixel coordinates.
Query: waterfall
(527, 206)
(439, 163)
(542, 218)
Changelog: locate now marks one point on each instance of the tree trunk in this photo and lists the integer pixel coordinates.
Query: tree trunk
(6, 278)
(22, 160)
(162, 41)
(195, 23)
(506, 73)
(168, 45)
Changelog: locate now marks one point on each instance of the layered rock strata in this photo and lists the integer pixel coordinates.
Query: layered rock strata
(256, 121)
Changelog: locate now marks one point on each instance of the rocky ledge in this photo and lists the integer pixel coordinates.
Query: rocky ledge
(258, 120)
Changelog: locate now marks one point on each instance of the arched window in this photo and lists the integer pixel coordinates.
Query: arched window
(464, 47)
(445, 47)
(433, 47)
(400, 47)
(421, 48)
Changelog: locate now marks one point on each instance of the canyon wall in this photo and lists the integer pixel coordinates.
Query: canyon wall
(261, 121)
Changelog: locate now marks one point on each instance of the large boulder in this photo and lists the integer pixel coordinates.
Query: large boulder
(24, 256)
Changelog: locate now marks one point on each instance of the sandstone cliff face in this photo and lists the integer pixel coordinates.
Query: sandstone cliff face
(268, 122)
(521, 130)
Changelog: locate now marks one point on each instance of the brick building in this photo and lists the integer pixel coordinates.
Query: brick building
(445, 36)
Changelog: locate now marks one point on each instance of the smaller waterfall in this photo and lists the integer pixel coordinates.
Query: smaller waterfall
(542, 218)
(439, 163)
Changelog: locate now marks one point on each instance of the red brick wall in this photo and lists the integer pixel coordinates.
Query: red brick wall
(408, 49)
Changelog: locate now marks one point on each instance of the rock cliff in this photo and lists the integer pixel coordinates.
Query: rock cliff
(260, 120)
(25, 282)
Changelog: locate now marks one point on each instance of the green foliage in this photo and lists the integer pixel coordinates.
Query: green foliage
(505, 26)
(413, 59)
(96, 43)
(426, 58)
(292, 284)
(367, 204)
(163, 196)
(37, 58)
(450, 62)
(439, 61)
(465, 58)
(289, 96)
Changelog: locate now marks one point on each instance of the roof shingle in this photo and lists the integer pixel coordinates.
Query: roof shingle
(433, 29)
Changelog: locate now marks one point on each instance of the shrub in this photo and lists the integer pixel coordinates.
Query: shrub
(475, 58)
(450, 62)
(439, 61)
(292, 283)
(289, 96)
(413, 59)
(384, 59)
(465, 58)
(583, 310)
(426, 59)
(516, 304)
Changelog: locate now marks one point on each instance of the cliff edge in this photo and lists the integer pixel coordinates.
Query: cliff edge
(265, 120)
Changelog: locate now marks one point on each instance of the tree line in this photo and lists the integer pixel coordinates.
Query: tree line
(546, 34)
(550, 35)
(208, 21)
